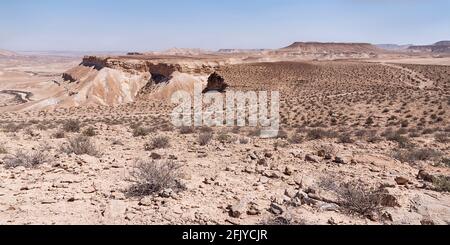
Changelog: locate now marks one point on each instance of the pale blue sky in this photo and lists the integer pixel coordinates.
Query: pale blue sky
(109, 25)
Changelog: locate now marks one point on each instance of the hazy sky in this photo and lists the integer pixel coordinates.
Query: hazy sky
(140, 25)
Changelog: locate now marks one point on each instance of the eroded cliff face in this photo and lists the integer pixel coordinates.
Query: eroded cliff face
(140, 64)
(117, 80)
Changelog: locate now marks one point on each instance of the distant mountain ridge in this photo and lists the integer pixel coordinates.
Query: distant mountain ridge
(439, 47)
(394, 47)
(7, 53)
(318, 47)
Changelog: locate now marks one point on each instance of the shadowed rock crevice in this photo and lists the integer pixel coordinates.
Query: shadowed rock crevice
(215, 83)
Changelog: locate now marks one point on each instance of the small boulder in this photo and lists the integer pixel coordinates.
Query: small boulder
(312, 158)
(276, 209)
(423, 175)
(401, 181)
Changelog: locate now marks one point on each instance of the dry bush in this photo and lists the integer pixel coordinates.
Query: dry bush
(370, 136)
(153, 176)
(205, 129)
(205, 138)
(415, 155)
(280, 221)
(396, 136)
(13, 128)
(225, 138)
(317, 134)
(140, 131)
(357, 198)
(80, 145)
(72, 126)
(281, 143)
(244, 141)
(3, 150)
(369, 121)
(346, 138)
(296, 138)
(254, 133)
(442, 183)
(445, 162)
(236, 130)
(282, 134)
(59, 135)
(160, 142)
(442, 138)
(44, 125)
(90, 132)
(187, 130)
(25, 159)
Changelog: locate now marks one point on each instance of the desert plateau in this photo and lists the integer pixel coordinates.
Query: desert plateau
(364, 137)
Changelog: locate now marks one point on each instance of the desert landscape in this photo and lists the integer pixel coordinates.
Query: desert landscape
(364, 138)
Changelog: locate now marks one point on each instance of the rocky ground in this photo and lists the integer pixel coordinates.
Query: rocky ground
(361, 143)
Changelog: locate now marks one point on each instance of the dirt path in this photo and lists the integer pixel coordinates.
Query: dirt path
(421, 80)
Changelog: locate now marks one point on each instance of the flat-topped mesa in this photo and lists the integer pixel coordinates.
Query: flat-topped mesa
(143, 64)
(132, 66)
(318, 47)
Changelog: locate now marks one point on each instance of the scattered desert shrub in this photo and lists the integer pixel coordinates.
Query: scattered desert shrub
(395, 136)
(153, 176)
(359, 199)
(205, 138)
(3, 150)
(404, 123)
(90, 132)
(415, 155)
(140, 131)
(442, 138)
(429, 131)
(225, 138)
(445, 162)
(187, 130)
(370, 136)
(80, 145)
(346, 138)
(328, 182)
(236, 130)
(166, 127)
(296, 138)
(442, 183)
(59, 135)
(369, 121)
(72, 126)
(281, 221)
(282, 134)
(29, 132)
(160, 142)
(206, 129)
(254, 133)
(281, 143)
(25, 159)
(13, 127)
(317, 134)
(243, 140)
